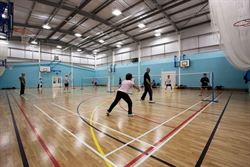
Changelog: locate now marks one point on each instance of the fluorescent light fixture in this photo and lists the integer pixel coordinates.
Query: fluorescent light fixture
(46, 26)
(79, 50)
(116, 12)
(119, 43)
(78, 34)
(3, 36)
(94, 52)
(4, 16)
(101, 41)
(141, 25)
(34, 42)
(59, 46)
(157, 34)
(118, 46)
(4, 42)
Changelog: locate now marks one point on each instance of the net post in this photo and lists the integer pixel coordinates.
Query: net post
(213, 98)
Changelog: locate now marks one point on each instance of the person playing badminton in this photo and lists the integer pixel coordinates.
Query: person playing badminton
(122, 93)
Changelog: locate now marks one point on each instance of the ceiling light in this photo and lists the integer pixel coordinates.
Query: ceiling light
(141, 25)
(101, 41)
(79, 50)
(118, 46)
(59, 46)
(94, 52)
(116, 12)
(3, 36)
(78, 34)
(34, 42)
(119, 43)
(4, 16)
(157, 34)
(46, 26)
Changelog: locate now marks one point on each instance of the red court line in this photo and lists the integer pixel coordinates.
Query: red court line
(46, 149)
(163, 138)
(150, 120)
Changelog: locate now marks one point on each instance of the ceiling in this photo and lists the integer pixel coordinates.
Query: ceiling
(93, 19)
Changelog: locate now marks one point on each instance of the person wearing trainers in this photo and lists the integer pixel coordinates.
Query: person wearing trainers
(147, 87)
(122, 93)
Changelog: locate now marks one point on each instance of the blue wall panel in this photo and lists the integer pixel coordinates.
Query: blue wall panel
(10, 76)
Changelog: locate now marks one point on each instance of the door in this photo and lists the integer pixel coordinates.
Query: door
(164, 75)
(56, 81)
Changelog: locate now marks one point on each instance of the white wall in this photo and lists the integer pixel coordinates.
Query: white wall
(27, 51)
(199, 39)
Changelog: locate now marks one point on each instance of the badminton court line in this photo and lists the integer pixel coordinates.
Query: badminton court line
(169, 136)
(82, 142)
(144, 134)
(119, 132)
(39, 138)
(99, 148)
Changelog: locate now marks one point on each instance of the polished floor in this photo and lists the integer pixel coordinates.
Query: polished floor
(56, 128)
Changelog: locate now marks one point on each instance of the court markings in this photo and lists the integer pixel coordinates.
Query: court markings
(104, 157)
(99, 148)
(144, 134)
(39, 138)
(167, 137)
(73, 135)
(18, 137)
(204, 151)
(114, 130)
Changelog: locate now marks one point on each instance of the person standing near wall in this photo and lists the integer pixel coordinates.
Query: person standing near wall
(120, 82)
(247, 79)
(147, 87)
(40, 83)
(22, 83)
(66, 82)
(168, 83)
(204, 83)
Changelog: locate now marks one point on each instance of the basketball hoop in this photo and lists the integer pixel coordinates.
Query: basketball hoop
(242, 23)
(25, 34)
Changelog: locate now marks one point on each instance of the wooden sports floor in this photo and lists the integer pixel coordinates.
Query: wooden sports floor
(53, 128)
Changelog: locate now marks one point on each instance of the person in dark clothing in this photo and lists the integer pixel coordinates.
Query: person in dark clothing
(22, 84)
(204, 83)
(147, 87)
(247, 79)
(120, 82)
(122, 93)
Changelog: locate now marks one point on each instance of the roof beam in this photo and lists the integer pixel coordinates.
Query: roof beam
(179, 21)
(70, 16)
(160, 8)
(86, 14)
(55, 10)
(98, 9)
(61, 31)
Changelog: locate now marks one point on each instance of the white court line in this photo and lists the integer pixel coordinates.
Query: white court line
(85, 144)
(142, 135)
(121, 133)
(168, 139)
(153, 128)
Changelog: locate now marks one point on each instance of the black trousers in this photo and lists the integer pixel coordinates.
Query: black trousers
(121, 95)
(147, 89)
(22, 89)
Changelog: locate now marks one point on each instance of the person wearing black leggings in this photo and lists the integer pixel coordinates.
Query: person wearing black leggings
(147, 87)
(122, 93)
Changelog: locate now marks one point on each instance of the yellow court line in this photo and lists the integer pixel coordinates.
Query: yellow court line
(95, 139)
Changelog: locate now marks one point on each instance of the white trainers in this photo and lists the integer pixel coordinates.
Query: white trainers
(130, 115)
(151, 101)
